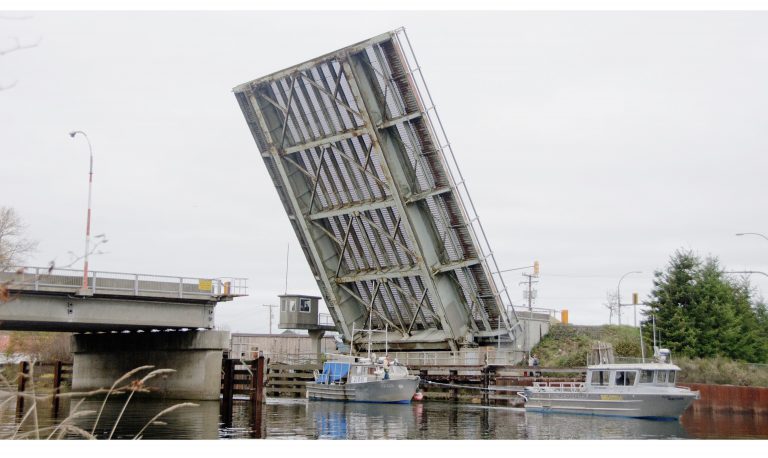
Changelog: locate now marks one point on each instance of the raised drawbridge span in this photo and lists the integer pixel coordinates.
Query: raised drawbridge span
(370, 184)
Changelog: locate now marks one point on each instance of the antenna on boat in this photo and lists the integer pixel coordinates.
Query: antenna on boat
(370, 331)
(655, 348)
(386, 343)
(642, 346)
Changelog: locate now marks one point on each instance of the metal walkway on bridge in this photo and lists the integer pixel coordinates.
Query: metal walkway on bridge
(43, 299)
(370, 184)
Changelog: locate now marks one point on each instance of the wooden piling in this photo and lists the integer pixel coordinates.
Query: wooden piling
(57, 372)
(452, 380)
(257, 397)
(228, 386)
(257, 382)
(22, 385)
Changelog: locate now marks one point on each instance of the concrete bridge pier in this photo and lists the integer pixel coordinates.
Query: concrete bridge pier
(316, 338)
(101, 359)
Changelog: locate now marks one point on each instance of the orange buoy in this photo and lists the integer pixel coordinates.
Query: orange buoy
(418, 396)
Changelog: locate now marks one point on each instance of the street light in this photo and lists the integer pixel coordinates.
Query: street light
(84, 289)
(618, 292)
(752, 233)
(746, 272)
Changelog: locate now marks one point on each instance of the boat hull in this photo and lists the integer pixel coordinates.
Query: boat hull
(399, 391)
(668, 406)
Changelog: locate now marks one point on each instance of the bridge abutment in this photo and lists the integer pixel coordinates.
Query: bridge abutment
(101, 359)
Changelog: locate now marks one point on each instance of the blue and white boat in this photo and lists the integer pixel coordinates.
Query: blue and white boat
(358, 379)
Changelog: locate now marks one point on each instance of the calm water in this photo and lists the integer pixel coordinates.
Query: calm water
(299, 419)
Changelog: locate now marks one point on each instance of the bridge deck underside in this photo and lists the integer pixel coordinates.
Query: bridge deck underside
(351, 148)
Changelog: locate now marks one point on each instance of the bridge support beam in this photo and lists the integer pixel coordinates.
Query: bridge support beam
(101, 359)
(316, 338)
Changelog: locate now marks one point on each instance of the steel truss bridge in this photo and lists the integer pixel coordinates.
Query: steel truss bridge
(366, 174)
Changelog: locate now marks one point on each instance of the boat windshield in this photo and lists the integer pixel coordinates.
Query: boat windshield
(625, 378)
(600, 378)
(646, 376)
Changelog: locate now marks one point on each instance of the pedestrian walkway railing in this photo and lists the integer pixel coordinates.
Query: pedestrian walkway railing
(121, 283)
(487, 356)
(325, 319)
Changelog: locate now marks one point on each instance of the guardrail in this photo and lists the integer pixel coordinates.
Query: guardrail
(523, 312)
(325, 319)
(484, 357)
(123, 283)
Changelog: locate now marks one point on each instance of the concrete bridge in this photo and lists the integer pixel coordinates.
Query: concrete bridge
(124, 321)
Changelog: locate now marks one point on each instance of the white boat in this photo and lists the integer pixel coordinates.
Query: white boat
(627, 388)
(357, 379)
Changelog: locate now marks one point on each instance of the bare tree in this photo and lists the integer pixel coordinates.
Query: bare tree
(612, 303)
(14, 247)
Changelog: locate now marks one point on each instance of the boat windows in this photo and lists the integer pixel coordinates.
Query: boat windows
(625, 378)
(600, 378)
(646, 376)
(661, 376)
(671, 376)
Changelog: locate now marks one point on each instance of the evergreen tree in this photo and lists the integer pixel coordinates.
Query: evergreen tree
(700, 312)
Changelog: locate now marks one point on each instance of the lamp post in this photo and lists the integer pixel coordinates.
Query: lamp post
(746, 272)
(84, 289)
(752, 233)
(618, 293)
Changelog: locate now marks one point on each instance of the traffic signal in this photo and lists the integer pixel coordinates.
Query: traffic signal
(536, 267)
(634, 299)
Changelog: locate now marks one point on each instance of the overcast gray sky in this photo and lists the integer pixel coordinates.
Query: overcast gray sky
(596, 143)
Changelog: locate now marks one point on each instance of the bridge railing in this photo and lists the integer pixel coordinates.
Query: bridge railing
(325, 319)
(479, 357)
(122, 283)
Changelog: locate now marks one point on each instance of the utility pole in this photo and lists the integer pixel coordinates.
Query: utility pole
(530, 282)
(270, 315)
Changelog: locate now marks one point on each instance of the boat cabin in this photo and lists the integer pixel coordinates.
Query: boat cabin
(627, 376)
(353, 369)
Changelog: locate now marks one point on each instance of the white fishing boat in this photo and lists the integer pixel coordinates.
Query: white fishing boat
(357, 379)
(626, 387)
(363, 379)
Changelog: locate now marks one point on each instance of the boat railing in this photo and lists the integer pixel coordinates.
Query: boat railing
(592, 361)
(560, 386)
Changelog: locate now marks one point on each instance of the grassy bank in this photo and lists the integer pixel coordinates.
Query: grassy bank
(568, 346)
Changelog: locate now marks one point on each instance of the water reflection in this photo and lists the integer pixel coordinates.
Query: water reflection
(301, 419)
(341, 420)
(435, 420)
(193, 422)
(702, 424)
(557, 426)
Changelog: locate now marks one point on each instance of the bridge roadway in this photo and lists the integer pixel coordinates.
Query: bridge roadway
(39, 299)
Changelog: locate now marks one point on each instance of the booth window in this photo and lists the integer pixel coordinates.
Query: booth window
(304, 305)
